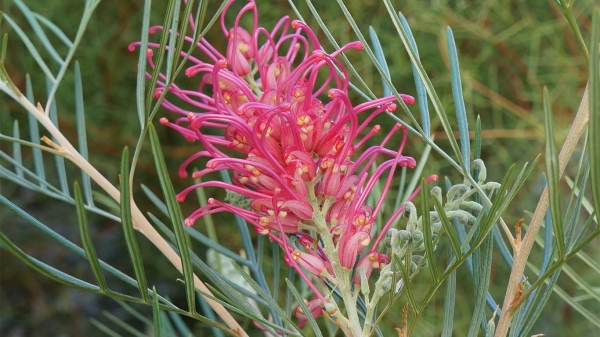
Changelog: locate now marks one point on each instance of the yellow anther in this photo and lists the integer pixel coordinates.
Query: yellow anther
(243, 47)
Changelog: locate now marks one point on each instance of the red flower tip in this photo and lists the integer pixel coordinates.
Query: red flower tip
(332, 93)
(180, 197)
(188, 222)
(319, 54)
(149, 52)
(131, 46)
(408, 99)
(195, 175)
(157, 93)
(153, 29)
(222, 63)
(357, 45)
(191, 116)
(189, 72)
(432, 177)
(262, 230)
(164, 121)
(391, 107)
(296, 23)
(211, 201)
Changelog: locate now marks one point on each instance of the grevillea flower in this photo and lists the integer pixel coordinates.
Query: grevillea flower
(275, 112)
(315, 310)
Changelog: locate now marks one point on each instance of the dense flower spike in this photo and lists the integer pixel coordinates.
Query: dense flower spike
(274, 111)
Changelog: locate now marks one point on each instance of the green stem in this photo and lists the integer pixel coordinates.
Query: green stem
(568, 11)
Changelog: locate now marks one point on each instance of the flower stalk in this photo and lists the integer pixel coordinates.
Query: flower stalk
(274, 110)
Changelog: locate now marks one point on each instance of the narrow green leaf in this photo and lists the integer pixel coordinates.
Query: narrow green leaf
(54, 28)
(86, 238)
(276, 271)
(90, 6)
(573, 220)
(141, 71)
(381, 59)
(304, 307)
(60, 161)
(156, 314)
(459, 101)
(499, 204)
(134, 313)
(128, 230)
(34, 133)
(180, 325)
(159, 59)
(580, 242)
(104, 328)
(404, 267)
(291, 275)
(206, 241)
(210, 314)
(572, 213)
(71, 246)
(481, 291)
(477, 147)
(553, 176)
(594, 108)
(590, 316)
(133, 331)
(422, 100)
(107, 202)
(425, 216)
(81, 133)
(163, 229)
(17, 150)
(175, 216)
(216, 278)
(242, 307)
(167, 327)
(172, 51)
(449, 300)
(39, 32)
(538, 305)
(582, 283)
(435, 100)
(241, 303)
(45, 269)
(448, 229)
(266, 296)
(9, 175)
(416, 173)
(30, 47)
(155, 200)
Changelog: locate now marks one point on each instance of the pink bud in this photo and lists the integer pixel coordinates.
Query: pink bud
(368, 262)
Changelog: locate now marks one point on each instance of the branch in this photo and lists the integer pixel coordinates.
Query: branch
(522, 253)
(140, 223)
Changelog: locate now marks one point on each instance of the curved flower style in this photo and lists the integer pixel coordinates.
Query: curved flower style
(296, 160)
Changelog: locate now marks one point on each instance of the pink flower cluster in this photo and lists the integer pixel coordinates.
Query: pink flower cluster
(295, 160)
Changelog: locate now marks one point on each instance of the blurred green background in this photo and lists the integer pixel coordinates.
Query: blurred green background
(508, 50)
